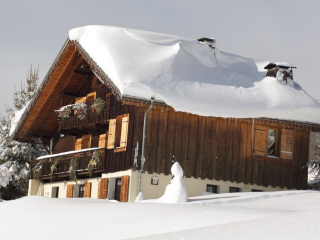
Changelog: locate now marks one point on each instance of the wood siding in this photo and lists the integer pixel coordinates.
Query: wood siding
(114, 161)
(218, 148)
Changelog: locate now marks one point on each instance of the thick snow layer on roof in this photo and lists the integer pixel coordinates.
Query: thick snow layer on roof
(246, 215)
(192, 77)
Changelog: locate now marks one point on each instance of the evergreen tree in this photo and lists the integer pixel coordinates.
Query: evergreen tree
(15, 156)
(314, 161)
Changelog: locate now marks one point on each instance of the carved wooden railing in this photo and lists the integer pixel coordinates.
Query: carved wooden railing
(63, 166)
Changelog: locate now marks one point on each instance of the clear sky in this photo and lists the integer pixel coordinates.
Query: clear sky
(33, 32)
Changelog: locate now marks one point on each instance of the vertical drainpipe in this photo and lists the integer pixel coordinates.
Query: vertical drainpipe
(143, 143)
(252, 142)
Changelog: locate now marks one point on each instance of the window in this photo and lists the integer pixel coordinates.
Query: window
(55, 192)
(272, 142)
(212, 188)
(154, 181)
(118, 133)
(86, 141)
(256, 190)
(233, 189)
(81, 191)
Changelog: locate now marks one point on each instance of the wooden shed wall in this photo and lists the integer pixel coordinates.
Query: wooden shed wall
(216, 148)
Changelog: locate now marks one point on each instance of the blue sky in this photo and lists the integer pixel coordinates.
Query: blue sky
(33, 32)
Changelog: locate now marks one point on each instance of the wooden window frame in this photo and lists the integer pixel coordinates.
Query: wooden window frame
(89, 136)
(216, 187)
(155, 181)
(119, 133)
(279, 138)
(81, 193)
(239, 189)
(256, 190)
(56, 195)
(277, 142)
(276, 149)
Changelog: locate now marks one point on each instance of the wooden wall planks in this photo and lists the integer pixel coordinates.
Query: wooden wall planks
(217, 148)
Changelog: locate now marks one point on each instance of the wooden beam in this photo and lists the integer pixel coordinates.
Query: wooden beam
(67, 80)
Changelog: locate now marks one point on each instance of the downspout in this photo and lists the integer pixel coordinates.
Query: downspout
(143, 143)
(252, 142)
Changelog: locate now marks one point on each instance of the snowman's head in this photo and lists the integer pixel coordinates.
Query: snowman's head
(176, 170)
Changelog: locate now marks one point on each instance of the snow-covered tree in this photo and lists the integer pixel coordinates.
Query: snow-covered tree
(15, 156)
(314, 160)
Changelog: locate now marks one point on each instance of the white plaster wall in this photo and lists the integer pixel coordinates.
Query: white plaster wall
(63, 187)
(195, 187)
(33, 187)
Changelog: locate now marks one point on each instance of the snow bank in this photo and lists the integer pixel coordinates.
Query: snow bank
(192, 77)
(259, 215)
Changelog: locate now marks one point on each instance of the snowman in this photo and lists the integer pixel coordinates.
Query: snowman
(176, 191)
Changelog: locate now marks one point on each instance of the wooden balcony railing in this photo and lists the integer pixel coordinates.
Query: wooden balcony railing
(63, 166)
(91, 119)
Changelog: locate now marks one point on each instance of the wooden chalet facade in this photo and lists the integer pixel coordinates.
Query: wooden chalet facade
(249, 154)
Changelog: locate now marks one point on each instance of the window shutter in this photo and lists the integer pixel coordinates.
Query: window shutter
(80, 100)
(103, 188)
(78, 145)
(111, 133)
(260, 141)
(102, 141)
(87, 190)
(86, 141)
(287, 138)
(91, 96)
(124, 132)
(124, 189)
(70, 191)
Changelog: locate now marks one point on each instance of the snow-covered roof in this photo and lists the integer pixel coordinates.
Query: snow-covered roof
(192, 77)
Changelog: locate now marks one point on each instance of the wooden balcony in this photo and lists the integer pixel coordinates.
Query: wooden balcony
(92, 120)
(62, 172)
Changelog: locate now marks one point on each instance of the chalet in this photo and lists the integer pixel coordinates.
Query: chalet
(119, 106)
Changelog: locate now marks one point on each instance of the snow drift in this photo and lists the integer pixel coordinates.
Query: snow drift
(192, 77)
(261, 215)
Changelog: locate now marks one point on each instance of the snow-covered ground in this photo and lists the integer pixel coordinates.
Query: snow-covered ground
(261, 215)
